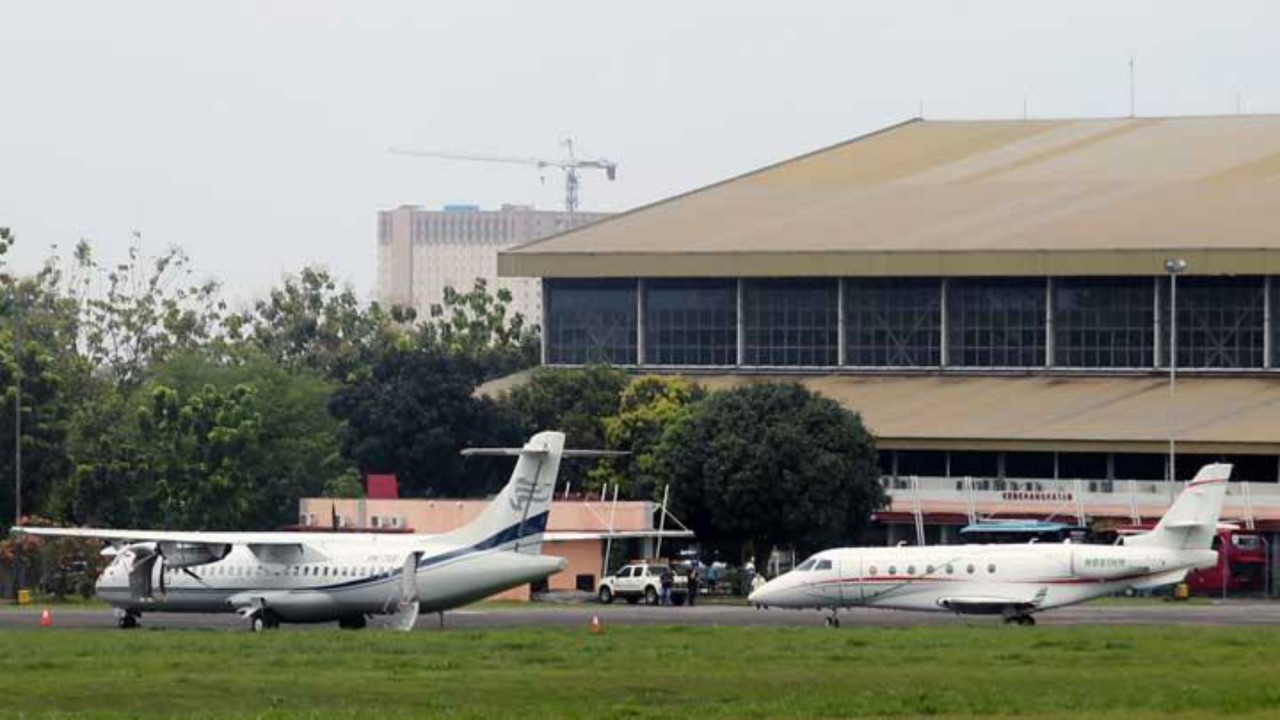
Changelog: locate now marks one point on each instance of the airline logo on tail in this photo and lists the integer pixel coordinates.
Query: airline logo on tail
(526, 491)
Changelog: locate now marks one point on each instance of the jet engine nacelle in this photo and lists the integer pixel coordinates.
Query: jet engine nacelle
(182, 555)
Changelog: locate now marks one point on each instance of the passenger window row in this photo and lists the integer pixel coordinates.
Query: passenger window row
(932, 569)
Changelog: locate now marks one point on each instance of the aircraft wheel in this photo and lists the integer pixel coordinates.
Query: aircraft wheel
(352, 622)
(1027, 620)
(832, 622)
(128, 621)
(606, 595)
(257, 624)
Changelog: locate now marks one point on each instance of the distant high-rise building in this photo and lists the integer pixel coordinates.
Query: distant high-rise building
(421, 252)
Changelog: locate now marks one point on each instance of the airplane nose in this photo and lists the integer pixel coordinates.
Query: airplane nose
(757, 597)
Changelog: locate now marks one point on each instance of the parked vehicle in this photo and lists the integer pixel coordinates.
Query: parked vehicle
(642, 581)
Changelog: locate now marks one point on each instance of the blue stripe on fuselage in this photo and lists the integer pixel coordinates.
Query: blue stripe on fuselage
(532, 526)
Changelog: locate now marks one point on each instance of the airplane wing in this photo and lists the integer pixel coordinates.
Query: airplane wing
(993, 604)
(194, 537)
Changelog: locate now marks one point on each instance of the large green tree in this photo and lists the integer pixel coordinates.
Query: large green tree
(477, 323)
(771, 465)
(44, 382)
(573, 401)
(410, 410)
(177, 461)
(312, 321)
(136, 466)
(139, 312)
(647, 405)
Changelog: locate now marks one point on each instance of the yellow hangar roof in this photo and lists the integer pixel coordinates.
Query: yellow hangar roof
(1096, 414)
(960, 197)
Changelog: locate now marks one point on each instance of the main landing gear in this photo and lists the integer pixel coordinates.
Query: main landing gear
(1019, 619)
(265, 620)
(352, 622)
(128, 619)
(832, 620)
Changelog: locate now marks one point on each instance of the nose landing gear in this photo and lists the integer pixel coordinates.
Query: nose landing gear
(128, 619)
(832, 620)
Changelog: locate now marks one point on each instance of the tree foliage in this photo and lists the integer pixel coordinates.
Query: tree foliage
(769, 465)
(647, 406)
(410, 411)
(314, 323)
(575, 402)
(141, 311)
(146, 402)
(477, 323)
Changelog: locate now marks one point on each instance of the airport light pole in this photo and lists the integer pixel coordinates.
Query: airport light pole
(1173, 266)
(17, 435)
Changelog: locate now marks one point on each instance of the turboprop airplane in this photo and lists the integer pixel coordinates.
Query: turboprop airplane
(270, 578)
(1015, 581)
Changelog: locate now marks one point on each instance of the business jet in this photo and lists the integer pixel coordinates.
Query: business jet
(270, 578)
(1015, 581)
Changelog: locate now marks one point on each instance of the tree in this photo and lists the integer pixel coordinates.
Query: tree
(311, 322)
(410, 411)
(38, 354)
(184, 462)
(575, 402)
(646, 407)
(771, 464)
(141, 311)
(476, 323)
(300, 452)
(293, 451)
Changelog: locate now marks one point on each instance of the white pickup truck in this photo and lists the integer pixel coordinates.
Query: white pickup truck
(642, 581)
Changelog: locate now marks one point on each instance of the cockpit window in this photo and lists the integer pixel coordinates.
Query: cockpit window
(823, 565)
(807, 565)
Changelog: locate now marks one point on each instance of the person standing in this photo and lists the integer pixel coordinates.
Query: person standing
(667, 580)
(694, 576)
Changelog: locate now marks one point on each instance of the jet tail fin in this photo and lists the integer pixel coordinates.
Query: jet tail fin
(1192, 521)
(518, 515)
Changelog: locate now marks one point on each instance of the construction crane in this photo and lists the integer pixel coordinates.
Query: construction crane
(570, 164)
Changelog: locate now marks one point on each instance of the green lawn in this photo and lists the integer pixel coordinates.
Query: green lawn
(1083, 672)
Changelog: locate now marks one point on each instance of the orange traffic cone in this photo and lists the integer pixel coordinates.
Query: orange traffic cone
(595, 625)
(46, 618)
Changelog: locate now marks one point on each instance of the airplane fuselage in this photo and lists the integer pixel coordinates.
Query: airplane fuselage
(324, 578)
(976, 579)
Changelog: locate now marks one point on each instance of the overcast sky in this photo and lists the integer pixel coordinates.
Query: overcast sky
(254, 134)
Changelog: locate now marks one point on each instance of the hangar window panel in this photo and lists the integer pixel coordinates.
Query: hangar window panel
(691, 322)
(995, 322)
(1275, 322)
(591, 321)
(1220, 322)
(791, 322)
(1103, 322)
(893, 323)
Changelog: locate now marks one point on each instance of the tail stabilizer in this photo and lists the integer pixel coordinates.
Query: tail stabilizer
(518, 515)
(1192, 521)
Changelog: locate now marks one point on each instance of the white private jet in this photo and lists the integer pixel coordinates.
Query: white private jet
(1015, 581)
(277, 577)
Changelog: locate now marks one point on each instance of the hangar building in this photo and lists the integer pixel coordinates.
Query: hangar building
(992, 296)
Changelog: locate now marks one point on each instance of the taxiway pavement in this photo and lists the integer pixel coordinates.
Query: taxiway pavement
(1220, 613)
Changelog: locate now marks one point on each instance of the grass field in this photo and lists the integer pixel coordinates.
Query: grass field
(1077, 672)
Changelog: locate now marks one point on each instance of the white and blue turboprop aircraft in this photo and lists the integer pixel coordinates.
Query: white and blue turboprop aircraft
(1015, 581)
(276, 577)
